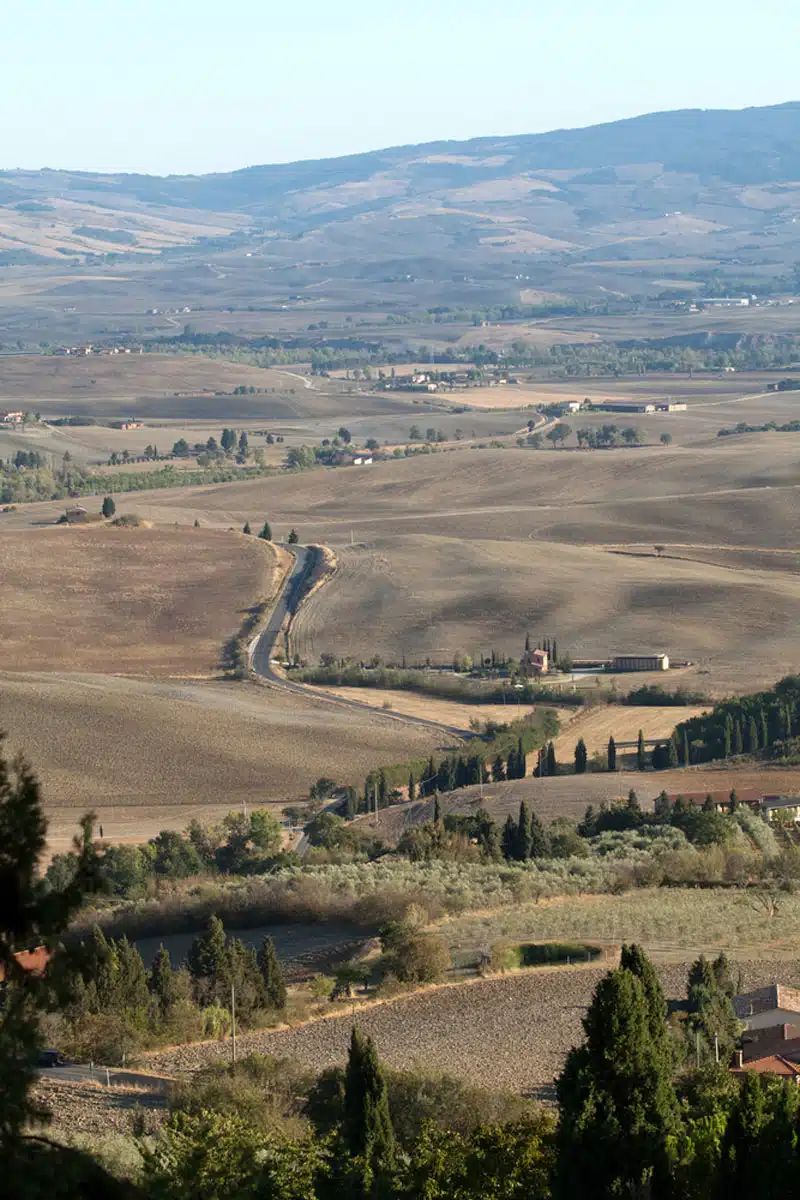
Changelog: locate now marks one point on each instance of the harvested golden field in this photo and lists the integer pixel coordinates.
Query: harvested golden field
(128, 600)
(622, 722)
(36, 378)
(149, 754)
(445, 712)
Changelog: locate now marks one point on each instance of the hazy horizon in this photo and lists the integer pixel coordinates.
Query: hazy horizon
(148, 88)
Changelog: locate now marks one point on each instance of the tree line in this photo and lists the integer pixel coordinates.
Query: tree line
(765, 724)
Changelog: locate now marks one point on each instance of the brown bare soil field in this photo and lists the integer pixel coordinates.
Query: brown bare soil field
(508, 1033)
(149, 754)
(35, 378)
(622, 722)
(127, 600)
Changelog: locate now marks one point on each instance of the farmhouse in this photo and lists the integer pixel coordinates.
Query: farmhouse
(624, 406)
(768, 1007)
(7, 417)
(639, 662)
(538, 661)
(781, 808)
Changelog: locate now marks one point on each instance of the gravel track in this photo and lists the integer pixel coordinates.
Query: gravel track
(508, 1033)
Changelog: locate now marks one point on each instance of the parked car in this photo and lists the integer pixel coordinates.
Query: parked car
(52, 1058)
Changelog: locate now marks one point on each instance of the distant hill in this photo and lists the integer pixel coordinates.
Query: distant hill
(719, 186)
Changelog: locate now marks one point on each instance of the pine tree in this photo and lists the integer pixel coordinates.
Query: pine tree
(367, 1132)
(618, 1112)
(522, 850)
(612, 754)
(208, 961)
(580, 757)
(552, 765)
(246, 527)
(271, 973)
(161, 982)
(293, 538)
(266, 532)
(641, 753)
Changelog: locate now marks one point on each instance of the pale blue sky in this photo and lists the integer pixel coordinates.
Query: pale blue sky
(189, 85)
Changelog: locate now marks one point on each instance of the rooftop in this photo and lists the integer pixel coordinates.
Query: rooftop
(777, 995)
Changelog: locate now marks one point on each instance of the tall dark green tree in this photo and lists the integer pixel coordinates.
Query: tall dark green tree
(673, 758)
(539, 838)
(244, 445)
(266, 532)
(522, 850)
(271, 973)
(641, 752)
(209, 963)
(246, 527)
(738, 740)
(686, 754)
(367, 1133)
(508, 840)
(109, 507)
(552, 764)
(612, 754)
(634, 959)
(580, 757)
(161, 982)
(619, 1116)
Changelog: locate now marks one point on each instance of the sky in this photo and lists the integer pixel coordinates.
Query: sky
(187, 86)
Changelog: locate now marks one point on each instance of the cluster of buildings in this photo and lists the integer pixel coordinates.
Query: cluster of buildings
(87, 350)
(624, 406)
(771, 1038)
(10, 416)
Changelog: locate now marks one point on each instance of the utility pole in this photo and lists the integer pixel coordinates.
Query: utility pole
(698, 1049)
(716, 1047)
(233, 1025)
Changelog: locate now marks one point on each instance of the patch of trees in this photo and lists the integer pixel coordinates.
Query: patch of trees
(238, 845)
(702, 825)
(768, 427)
(763, 725)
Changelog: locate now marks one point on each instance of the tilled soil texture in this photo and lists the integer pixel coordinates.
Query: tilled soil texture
(510, 1033)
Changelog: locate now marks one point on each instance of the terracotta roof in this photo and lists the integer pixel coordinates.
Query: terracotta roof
(751, 1004)
(773, 1064)
(31, 960)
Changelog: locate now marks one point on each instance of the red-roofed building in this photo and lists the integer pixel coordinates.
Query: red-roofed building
(34, 961)
(771, 1064)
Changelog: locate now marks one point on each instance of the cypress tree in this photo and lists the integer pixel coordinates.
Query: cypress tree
(764, 727)
(412, 787)
(508, 841)
(641, 753)
(367, 1132)
(266, 532)
(672, 751)
(539, 838)
(727, 737)
(511, 764)
(708, 804)
(527, 643)
(555, 653)
(733, 800)
(541, 764)
(633, 804)
(634, 959)
(523, 841)
(738, 741)
(437, 810)
(522, 762)
(752, 736)
(580, 757)
(552, 765)
(246, 527)
(687, 757)
(499, 770)
(271, 973)
(619, 1114)
(161, 981)
(612, 754)
(132, 994)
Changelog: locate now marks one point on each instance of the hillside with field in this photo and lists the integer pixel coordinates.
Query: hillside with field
(129, 601)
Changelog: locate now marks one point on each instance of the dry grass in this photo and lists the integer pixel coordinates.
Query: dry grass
(597, 725)
(127, 600)
(445, 712)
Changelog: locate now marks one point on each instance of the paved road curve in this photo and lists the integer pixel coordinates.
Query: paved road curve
(262, 649)
(107, 1075)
